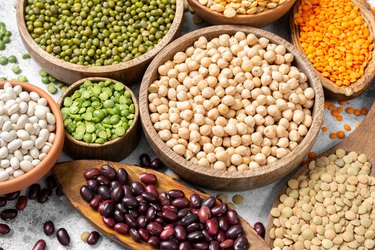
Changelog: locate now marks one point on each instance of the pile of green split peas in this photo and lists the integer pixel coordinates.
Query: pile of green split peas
(98, 112)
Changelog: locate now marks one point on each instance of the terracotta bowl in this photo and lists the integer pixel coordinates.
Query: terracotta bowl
(114, 150)
(224, 180)
(127, 72)
(49, 161)
(256, 20)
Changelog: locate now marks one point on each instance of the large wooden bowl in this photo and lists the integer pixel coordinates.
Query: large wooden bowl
(49, 161)
(331, 89)
(223, 180)
(127, 72)
(256, 20)
(114, 150)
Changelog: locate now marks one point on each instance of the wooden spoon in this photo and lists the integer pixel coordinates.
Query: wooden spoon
(362, 141)
(70, 177)
(331, 89)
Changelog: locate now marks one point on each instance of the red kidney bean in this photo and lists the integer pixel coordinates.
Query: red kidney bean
(194, 227)
(130, 202)
(104, 192)
(196, 236)
(223, 223)
(175, 193)
(183, 212)
(121, 207)
(137, 188)
(115, 184)
(195, 200)
(181, 202)
(234, 231)
(103, 180)
(3, 201)
(12, 196)
(209, 202)
(8, 214)
(168, 245)
(50, 182)
(133, 213)
(141, 221)
(214, 245)
(108, 172)
(159, 220)
(63, 236)
(107, 208)
(144, 234)
(48, 228)
(232, 217)
(156, 164)
(127, 190)
(143, 208)
(86, 193)
(118, 216)
(180, 233)
(207, 236)
(184, 246)
(189, 219)
(130, 220)
(204, 214)
(169, 215)
(94, 203)
(4, 229)
(259, 228)
(93, 185)
(154, 241)
(117, 194)
(59, 191)
(39, 245)
(91, 173)
(93, 238)
(151, 213)
(21, 203)
(140, 199)
(44, 195)
(200, 245)
(122, 228)
(148, 196)
(109, 222)
(219, 210)
(212, 227)
(226, 243)
(154, 228)
(157, 206)
(122, 176)
(221, 236)
(164, 199)
(144, 161)
(152, 189)
(135, 235)
(168, 226)
(167, 233)
(148, 179)
(33, 191)
(241, 243)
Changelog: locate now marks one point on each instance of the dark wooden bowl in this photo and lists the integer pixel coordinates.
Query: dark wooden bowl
(224, 180)
(127, 72)
(114, 150)
(256, 20)
(330, 88)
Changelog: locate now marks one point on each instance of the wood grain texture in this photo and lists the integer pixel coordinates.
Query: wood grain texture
(223, 180)
(360, 140)
(127, 72)
(257, 20)
(114, 150)
(47, 163)
(70, 177)
(357, 88)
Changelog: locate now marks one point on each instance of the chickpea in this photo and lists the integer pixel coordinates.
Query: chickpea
(211, 157)
(294, 136)
(219, 165)
(298, 116)
(204, 162)
(179, 149)
(236, 159)
(282, 152)
(283, 142)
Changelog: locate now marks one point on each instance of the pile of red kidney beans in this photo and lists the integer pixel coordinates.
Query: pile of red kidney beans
(166, 220)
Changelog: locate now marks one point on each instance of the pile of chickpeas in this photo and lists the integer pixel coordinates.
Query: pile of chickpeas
(231, 103)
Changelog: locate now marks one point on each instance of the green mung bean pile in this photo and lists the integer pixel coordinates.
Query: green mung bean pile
(95, 32)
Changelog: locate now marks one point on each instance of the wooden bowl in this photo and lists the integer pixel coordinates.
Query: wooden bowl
(223, 180)
(256, 20)
(331, 89)
(127, 72)
(114, 150)
(49, 161)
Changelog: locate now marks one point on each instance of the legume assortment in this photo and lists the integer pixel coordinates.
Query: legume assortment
(98, 32)
(232, 103)
(330, 207)
(98, 111)
(27, 131)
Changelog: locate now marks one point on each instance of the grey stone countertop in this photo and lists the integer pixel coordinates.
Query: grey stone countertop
(27, 228)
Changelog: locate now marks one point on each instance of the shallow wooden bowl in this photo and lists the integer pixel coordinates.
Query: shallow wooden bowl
(49, 161)
(127, 72)
(256, 20)
(114, 150)
(223, 180)
(330, 88)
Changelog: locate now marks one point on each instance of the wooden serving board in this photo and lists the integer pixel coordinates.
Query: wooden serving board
(70, 177)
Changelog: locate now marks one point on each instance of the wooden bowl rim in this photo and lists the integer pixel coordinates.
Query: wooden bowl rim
(279, 9)
(314, 82)
(48, 162)
(69, 91)
(362, 83)
(20, 9)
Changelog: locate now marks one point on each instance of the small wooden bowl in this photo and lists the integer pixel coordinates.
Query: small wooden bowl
(127, 72)
(331, 89)
(114, 150)
(49, 161)
(256, 20)
(224, 180)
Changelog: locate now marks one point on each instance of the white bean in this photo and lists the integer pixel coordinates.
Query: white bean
(24, 96)
(23, 135)
(42, 123)
(4, 163)
(40, 112)
(42, 156)
(14, 163)
(3, 152)
(51, 118)
(35, 162)
(39, 143)
(51, 127)
(46, 149)
(15, 144)
(4, 176)
(34, 96)
(44, 134)
(23, 107)
(7, 126)
(22, 121)
(34, 152)
(30, 128)
(18, 154)
(51, 137)
(26, 166)
(9, 170)
(28, 158)
(6, 136)
(13, 109)
(27, 144)
(18, 173)
(42, 101)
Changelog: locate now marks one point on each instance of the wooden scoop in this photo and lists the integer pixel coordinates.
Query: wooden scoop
(70, 177)
(362, 141)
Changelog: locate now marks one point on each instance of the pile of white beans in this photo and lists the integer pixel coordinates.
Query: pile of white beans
(231, 103)
(27, 131)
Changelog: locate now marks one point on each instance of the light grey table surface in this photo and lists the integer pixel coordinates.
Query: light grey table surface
(27, 228)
